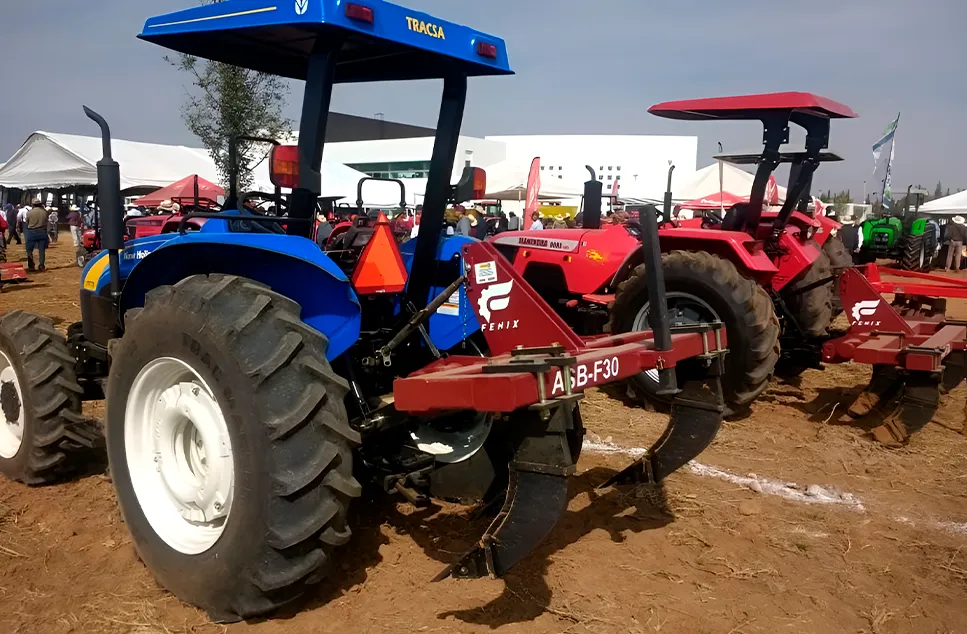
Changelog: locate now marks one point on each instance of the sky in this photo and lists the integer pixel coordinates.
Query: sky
(582, 68)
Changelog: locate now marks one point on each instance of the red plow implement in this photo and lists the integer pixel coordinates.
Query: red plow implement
(915, 350)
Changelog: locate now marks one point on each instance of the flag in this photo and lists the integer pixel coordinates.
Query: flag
(614, 188)
(533, 187)
(887, 194)
(888, 135)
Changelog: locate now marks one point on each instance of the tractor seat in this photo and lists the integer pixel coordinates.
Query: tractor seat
(735, 217)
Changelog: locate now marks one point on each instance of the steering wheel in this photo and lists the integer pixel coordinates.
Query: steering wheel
(710, 220)
(281, 205)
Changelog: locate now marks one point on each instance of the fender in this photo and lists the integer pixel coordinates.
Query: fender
(796, 256)
(290, 265)
(735, 246)
(456, 320)
(828, 228)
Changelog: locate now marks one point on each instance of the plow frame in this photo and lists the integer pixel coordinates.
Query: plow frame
(911, 333)
(915, 350)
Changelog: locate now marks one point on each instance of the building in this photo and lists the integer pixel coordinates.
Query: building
(639, 163)
(386, 149)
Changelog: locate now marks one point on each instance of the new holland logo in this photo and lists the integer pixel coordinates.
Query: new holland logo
(492, 299)
(301, 6)
(865, 309)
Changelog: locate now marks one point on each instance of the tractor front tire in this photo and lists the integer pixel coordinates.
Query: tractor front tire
(742, 305)
(43, 435)
(226, 365)
(840, 260)
(914, 256)
(813, 309)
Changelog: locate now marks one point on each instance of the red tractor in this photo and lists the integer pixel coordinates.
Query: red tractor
(763, 274)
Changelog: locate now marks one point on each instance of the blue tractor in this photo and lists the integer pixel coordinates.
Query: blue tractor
(254, 385)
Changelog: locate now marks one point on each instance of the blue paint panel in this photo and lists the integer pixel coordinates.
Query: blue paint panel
(208, 32)
(447, 330)
(292, 266)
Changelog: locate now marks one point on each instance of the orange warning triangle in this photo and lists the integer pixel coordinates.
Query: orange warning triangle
(380, 268)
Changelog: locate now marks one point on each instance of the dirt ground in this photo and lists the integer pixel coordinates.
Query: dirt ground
(786, 525)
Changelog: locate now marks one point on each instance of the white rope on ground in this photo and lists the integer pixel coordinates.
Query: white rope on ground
(806, 494)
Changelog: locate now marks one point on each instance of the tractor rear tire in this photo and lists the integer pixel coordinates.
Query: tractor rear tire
(840, 260)
(742, 305)
(813, 309)
(914, 256)
(246, 349)
(44, 436)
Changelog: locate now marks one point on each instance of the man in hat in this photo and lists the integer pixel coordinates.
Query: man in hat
(36, 235)
(955, 235)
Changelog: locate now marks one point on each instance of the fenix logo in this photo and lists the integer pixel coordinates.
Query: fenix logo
(493, 298)
(863, 310)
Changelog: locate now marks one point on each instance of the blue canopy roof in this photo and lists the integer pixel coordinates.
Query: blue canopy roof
(277, 36)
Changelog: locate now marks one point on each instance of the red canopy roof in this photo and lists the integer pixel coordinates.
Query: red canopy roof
(751, 106)
(715, 201)
(183, 192)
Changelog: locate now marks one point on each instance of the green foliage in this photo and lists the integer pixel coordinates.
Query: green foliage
(227, 101)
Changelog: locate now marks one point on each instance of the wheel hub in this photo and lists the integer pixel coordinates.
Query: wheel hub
(11, 405)
(179, 455)
(684, 309)
(184, 440)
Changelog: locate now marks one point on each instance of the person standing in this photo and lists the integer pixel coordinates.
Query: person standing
(464, 224)
(11, 217)
(22, 219)
(536, 224)
(513, 222)
(955, 235)
(76, 224)
(36, 235)
(52, 219)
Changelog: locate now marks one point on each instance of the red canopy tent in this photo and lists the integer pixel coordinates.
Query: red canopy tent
(717, 200)
(183, 192)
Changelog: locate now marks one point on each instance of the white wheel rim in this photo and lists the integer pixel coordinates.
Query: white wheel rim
(12, 410)
(179, 455)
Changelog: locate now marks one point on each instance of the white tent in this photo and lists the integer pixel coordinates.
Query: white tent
(948, 205)
(52, 161)
(505, 181)
(705, 182)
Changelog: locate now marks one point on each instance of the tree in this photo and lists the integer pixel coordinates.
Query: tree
(938, 192)
(226, 101)
(841, 199)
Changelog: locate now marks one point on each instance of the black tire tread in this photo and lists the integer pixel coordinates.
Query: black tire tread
(813, 309)
(910, 258)
(751, 368)
(840, 260)
(61, 437)
(311, 442)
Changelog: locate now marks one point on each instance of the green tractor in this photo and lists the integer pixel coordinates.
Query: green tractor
(909, 240)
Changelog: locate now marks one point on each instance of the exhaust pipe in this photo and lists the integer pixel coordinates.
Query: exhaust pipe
(109, 201)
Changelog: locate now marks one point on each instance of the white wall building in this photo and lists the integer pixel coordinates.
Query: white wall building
(638, 162)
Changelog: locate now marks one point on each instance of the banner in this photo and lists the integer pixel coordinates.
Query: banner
(533, 188)
(888, 135)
